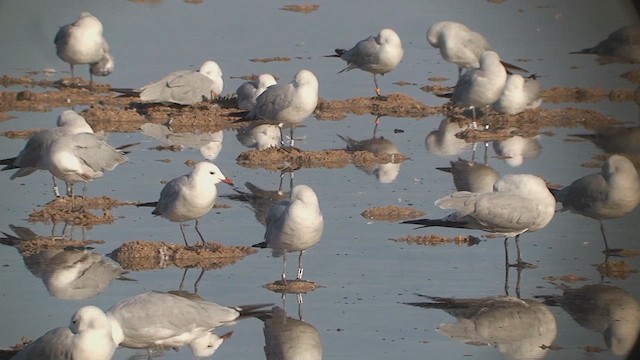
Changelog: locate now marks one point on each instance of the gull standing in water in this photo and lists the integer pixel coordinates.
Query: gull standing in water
(481, 87)
(377, 55)
(88, 336)
(519, 203)
(190, 197)
(82, 42)
(460, 45)
(610, 194)
(185, 87)
(287, 105)
(293, 225)
(249, 91)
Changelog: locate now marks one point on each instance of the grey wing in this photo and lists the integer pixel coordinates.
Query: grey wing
(274, 219)
(53, 345)
(189, 87)
(272, 101)
(364, 54)
(158, 91)
(583, 193)
(96, 153)
(62, 36)
(169, 194)
(31, 156)
(462, 86)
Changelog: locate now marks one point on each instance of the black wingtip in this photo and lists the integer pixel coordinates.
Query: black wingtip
(261, 245)
(148, 204)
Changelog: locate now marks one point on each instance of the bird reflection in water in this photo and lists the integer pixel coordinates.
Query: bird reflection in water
(516, 149)
(209, 144)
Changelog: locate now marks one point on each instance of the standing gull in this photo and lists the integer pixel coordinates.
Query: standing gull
(519, 94)
(32, 156)
(460, 45)
(82, 42)
(377, 55)
(287, 105)
(293, 225)
(519, 203)
(622, 45)
(249, 91)
(190, 196)
(610, 194)
(481, 87)
(88, 336)
(158, 320)
(186, 87)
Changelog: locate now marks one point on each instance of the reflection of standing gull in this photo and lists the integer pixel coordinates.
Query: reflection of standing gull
(616, 140)
(261, 200)
(209, 144)
(516, 149)
(249, 91)
(157, 320)
(472, 176)
(259, 136)
(606, 309)
(460, 45)
(519, 94)
(88, 336)
(443, 142)
(186, 87)
(610, 194)
(377, 55)
(385, 173)
(287, 105)
(517, 328)
(287, 338)
(293, 225)
(190, 197)
(622, 45)
(482, 86)
(32, 156)
(520, 203)
(82, 42)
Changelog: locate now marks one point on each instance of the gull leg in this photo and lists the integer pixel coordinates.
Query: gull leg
(473, 115)
(56, 191)
(519, 262)
(195, 284)
(284, 268)
(71, 66)
(184, 237)
(199, 233)
(300, 269)
(375, 82)
(506, 266)
(607, 250)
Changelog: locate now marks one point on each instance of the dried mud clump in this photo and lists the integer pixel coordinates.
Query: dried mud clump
(298, 286)
(31, 246)
(391, 213)
(305, 8)
(147, 255)
(395, 105)
(78, 212)
(616, 269)
(438, 240)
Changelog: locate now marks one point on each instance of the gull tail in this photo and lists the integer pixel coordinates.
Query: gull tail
(445, 169)
(444, 95)
(255, 310)
(512, 67)
(338, 53)
(262, 245)
(125, 92)
(585, 51)
(148, 204)
(436, 222)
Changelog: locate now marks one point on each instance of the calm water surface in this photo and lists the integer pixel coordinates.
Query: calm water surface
(366, 277)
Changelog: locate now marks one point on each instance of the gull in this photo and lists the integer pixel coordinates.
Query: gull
(460, 45)
(81, 42)
(377, 55)
(287, 105)
(481, 87)
(88, 336)
(81, 157)
(32, 156)
(249, 91)
(190, 197)
(519, 203)
(293, 225)
(186, 87)
(610, 194)
(472, 176)
(519, 94)
(158, 320)
(517, 328)
(622, 45)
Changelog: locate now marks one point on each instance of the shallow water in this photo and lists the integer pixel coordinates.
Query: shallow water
(366, 277)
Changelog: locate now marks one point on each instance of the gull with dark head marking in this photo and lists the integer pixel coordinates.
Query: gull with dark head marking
(481, 87)
(519, 203)
(88, 336)
(293, 225)
(249, 91)
(287, 105)
(190, 197)
(377, 55)
(610, 194)
(460, 45)
(186, 87)
(81, 42)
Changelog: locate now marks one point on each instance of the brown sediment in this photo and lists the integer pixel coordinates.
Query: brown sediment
(437, 240)
(28, 247)
(298, 286)
(147, 255)
(632, 75)
(62, 209)
(391, 213)
(303, 8)
(616, 269)
(395, 105)
(271, 59)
